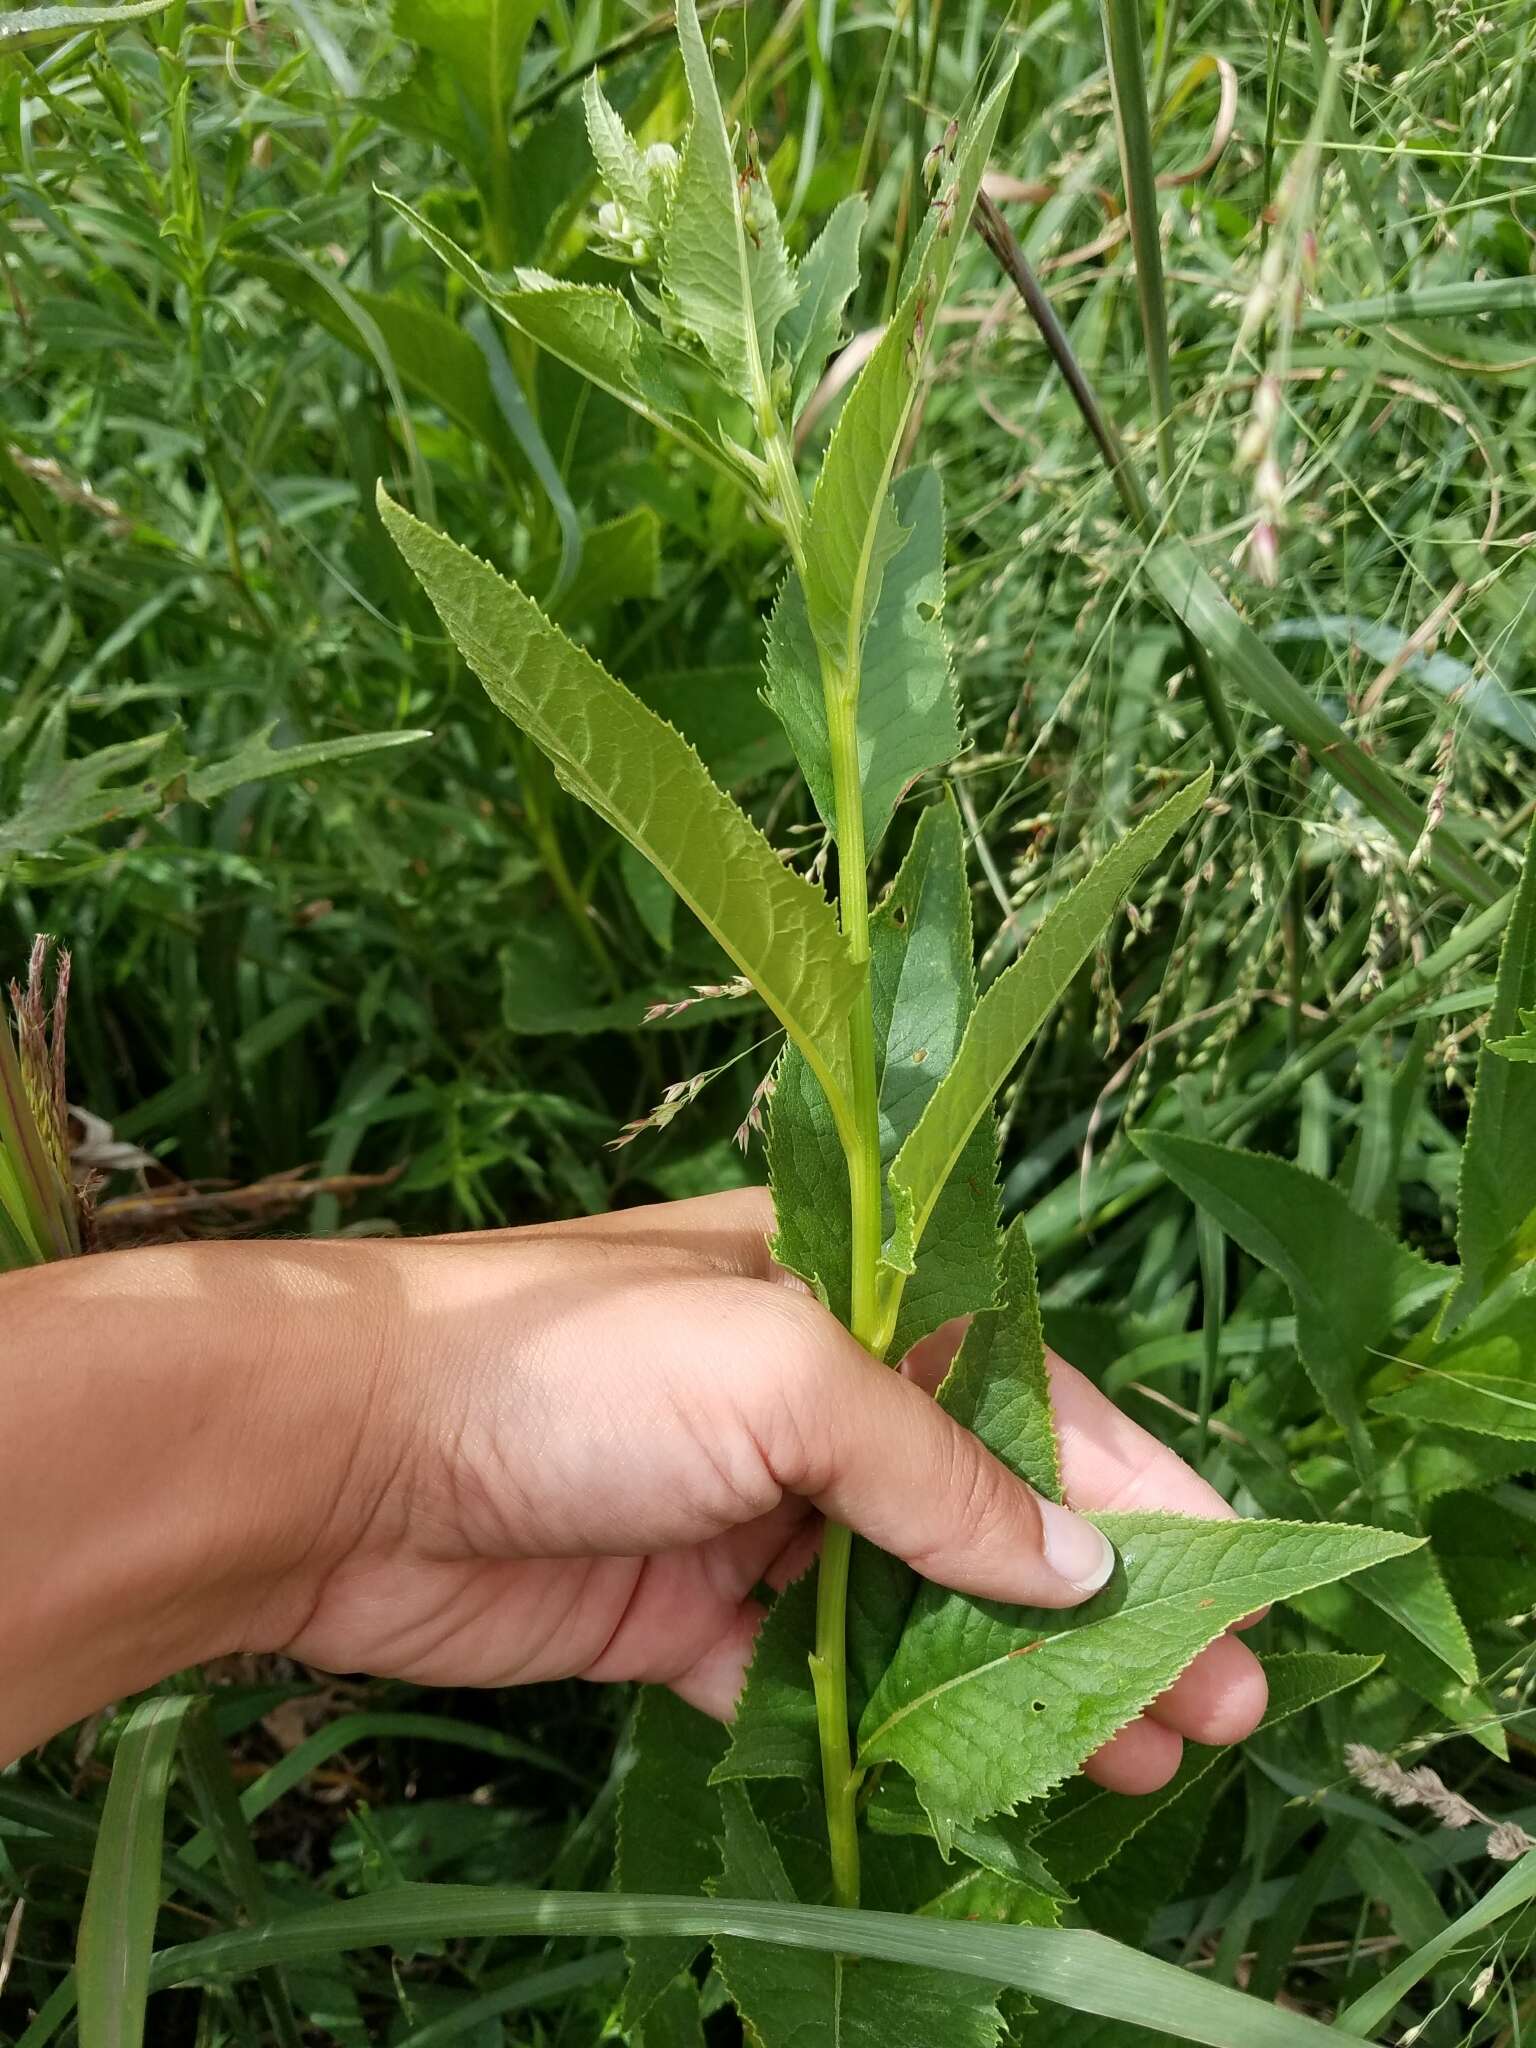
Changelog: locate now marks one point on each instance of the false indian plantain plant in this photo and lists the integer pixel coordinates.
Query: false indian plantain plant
(892, 1738)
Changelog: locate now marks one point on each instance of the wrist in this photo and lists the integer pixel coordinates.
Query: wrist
(198, 1434)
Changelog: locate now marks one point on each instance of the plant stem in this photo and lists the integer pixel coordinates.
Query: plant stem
(861, 1150)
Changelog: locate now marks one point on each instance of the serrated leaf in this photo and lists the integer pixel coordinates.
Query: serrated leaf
(1351, 1282)
(1008, 1016)
(998, 1386)
(591, 328)
(1483, 1376)
(794, 2001)
(1497, 1187)
(829, 276)
(1002, 1844)
(676, 2020)
(986, 1706)
(1088, 1827)
(669, 1821)
(647, 782)
(620, 161)
(725, 275)
(852, 531)
(1411, 1590)
(908, 718)
(922, 994)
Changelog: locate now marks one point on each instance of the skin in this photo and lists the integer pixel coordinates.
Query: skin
(572, 1450)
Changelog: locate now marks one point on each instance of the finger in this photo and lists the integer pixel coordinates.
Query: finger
(931, 1357)
(1109, 1462)
(1141, 1758)
(873, 1451)
(1220, 1698)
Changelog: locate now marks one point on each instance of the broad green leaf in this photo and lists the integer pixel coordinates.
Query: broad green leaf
(1350, 1281)
(787, 2000)
(1411, 1590)
(669, 1822)
(1088, 1827)
(122, 1899)
(647, 782)
(1008, 1016)
(985, 1706)
(998, 1386)
(1003, 1843)
(829, 276)
(1067, 1965)
(908, 713)
(592, 328)
(773, 1733)
(1483, 1376)
(35, 26)
(853, 531)
(676, 2020)
(923, 995)
(1497, 1190)
(430, 353)
(481, 41)
(1350, 1618)
(724, 271)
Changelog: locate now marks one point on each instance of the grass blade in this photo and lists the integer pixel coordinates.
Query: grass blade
(1373, 2006)
(1066, 1965)
(117, 1928)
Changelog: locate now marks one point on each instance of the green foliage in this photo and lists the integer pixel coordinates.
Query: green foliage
(434, 958)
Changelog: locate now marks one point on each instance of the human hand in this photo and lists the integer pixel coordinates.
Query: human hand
(496, 1458)
(626, 1424)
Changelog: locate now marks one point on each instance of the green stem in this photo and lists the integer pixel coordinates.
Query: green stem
(861, 1150)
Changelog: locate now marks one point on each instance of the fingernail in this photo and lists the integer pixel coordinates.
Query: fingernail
(1074, 1549)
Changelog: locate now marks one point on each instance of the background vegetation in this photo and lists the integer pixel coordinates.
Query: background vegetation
(331, 918)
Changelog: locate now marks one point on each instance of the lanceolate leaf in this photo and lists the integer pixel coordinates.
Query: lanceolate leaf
(788, 2001)
(829, 275)
(985, 1706)
(853, 530)
(1498, 1160)
(908, 714)
(724, 270)
(590, 327)
(122, 1900)
(1350, 1281)
(618, 157)
(923, 996)
(669, 1819)
(647, 782)
(1008, 1016)
(998, 1387)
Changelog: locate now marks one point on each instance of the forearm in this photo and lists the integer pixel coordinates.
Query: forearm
(183, 1447)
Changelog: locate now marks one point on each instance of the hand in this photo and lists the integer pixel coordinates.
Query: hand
(629, 1423)
(491, 1459)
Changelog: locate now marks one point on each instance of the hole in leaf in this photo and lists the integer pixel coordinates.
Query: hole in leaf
(927, 611)
(1039, 1706)
(899, 914)
(920, 1055)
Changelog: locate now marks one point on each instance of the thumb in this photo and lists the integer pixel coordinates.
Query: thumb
(875, 1452)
